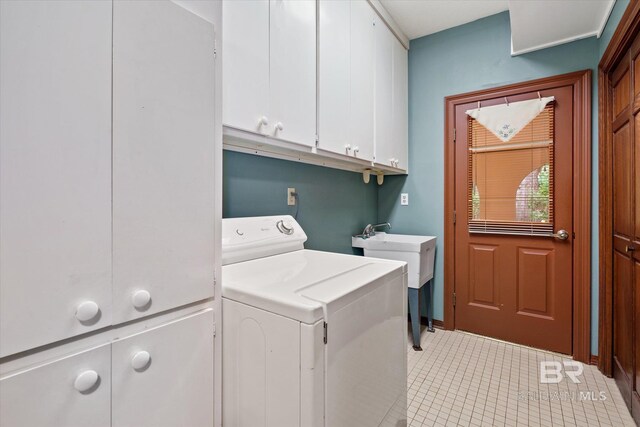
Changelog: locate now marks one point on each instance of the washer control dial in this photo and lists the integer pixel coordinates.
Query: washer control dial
(282, 227)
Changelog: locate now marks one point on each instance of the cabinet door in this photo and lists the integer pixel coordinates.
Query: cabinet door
(55, 170)
(362, 70)
(164, 376)
(163, 158)
(246, 65)
(70, 392)
(292, 34)
(334, 58)
(400, 136)
(384, 94)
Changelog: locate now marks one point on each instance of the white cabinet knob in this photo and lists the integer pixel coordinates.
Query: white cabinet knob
(279, 126)
(86, 380)
(356, 149)
(347, 148)
(141, 299)
(263, 121)
(86, 311)
(140, 360)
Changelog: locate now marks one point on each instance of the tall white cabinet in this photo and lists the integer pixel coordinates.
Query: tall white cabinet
(270, 68)
(55, 171)
(110, 189)
(163, 157)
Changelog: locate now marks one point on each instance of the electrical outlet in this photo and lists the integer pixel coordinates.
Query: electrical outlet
(291, 199)
(404, 199)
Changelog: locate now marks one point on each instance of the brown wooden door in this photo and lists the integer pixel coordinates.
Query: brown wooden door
(516, 287)
(625, 126)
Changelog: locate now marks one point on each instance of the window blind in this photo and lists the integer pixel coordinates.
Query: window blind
(510, 185)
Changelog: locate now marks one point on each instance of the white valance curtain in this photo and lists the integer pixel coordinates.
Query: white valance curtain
(506, 120)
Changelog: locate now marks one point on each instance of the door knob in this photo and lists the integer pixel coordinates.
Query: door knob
(279, 126)
(263, 121)
(629, 248)
(86, 380)
(347, 148)
(561, 235)
(355, 150)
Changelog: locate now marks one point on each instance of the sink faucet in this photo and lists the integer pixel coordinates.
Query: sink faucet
(370, 230)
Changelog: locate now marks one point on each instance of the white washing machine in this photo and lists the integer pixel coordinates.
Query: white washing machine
(310, 338)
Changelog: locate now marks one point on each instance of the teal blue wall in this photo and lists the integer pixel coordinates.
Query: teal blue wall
(336, 204)
(333, 204)
(463, 59)
(614, 18)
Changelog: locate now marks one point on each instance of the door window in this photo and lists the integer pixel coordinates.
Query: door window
(510, 184)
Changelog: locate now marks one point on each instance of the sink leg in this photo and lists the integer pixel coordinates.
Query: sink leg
(414, 311)
(428, 301)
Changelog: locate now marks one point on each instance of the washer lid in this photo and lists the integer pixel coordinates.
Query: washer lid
(301, 284)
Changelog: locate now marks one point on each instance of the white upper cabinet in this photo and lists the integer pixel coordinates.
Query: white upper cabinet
(346, 78)
(163, 377)
(400, 106)
(270, 68)
(362, 72)
(292, 62)
(246, 66)
(55, 171)
(362, 85)
(163, 158)
(391, 100)
(334, 76)
(384, 94)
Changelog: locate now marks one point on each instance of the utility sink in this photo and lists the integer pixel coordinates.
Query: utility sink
(417, 251)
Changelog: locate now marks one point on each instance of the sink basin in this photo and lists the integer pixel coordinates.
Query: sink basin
(417, 251)
(394, 242)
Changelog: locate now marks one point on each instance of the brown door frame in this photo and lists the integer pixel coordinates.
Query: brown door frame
(581, 82)
(628, 29)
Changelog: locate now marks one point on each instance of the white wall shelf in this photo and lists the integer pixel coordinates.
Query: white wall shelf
(250, 143)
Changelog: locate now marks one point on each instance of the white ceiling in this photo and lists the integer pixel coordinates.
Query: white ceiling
(535, 24)
(545, 23)
(418, 18)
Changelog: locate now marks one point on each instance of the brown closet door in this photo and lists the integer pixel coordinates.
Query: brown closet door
(635, 215)
(625, 83)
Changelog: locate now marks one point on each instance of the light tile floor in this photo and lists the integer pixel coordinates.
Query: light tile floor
(462, 379)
